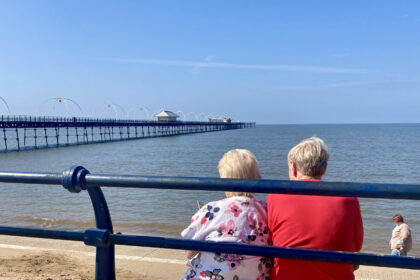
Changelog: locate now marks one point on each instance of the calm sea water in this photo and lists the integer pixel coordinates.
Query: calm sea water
(360, 153)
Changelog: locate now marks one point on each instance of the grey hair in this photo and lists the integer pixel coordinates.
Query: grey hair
(240, 164)
(310, 156)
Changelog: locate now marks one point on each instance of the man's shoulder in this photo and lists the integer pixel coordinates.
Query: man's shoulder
(302, 200)
(296, 196)
(290, 200)
(278, 196)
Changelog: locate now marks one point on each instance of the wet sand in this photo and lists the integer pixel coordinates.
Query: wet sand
(33, 258)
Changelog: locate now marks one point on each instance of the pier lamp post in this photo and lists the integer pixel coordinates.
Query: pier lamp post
(141, 108)
(197, 118)
(5, 103)
(181, 113)
(63, 100)
(202, 115)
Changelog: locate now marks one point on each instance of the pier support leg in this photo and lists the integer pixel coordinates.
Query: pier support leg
(17, 139)
(57, 135)
(5, 138)
(35, 137)
(46, 136)
(85, 135)
(67, 128)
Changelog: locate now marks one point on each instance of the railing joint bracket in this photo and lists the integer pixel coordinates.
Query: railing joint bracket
(72, 178)
(96, 237)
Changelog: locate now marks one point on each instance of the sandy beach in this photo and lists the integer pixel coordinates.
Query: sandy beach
(33, 258)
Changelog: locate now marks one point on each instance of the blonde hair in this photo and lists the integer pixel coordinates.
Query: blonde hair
(239, 164)
(310, 156)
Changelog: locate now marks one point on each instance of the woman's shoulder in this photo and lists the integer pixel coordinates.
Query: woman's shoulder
(215, 203)
(213, 206)
(240, 202)
(248, 203)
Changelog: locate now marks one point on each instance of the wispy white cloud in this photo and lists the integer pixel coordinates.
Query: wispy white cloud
(298, 88)
(267, 67)
(390, 80)
(196, 69)
(355, 84)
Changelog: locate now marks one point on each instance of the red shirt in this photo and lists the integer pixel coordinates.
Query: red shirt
(314, 222)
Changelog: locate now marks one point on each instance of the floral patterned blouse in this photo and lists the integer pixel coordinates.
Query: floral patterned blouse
(235, 219)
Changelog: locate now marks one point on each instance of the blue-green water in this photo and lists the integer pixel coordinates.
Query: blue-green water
(388, 153)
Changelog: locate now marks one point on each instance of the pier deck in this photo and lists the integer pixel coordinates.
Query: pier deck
(28, 132)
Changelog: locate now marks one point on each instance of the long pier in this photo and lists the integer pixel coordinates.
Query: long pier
(31, 132)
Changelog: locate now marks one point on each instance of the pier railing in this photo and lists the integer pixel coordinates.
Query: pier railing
(52, 119)
(19, 133)
(102, 237)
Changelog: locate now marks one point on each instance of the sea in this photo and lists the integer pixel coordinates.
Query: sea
(374, 153)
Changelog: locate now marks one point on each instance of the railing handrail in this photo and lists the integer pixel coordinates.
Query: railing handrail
(211, 246)
(348, 189)
(77, 178)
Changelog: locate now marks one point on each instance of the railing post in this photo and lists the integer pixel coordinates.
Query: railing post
(73, 181)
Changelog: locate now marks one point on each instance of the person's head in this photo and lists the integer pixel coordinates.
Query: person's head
(239, 164)
(398, 219)
(308, 159)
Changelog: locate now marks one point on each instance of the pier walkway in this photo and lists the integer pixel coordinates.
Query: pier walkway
(30, 132)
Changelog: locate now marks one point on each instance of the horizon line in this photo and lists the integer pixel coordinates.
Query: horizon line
(349, 123)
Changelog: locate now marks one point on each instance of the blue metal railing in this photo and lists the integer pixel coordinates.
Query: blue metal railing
(102, 237)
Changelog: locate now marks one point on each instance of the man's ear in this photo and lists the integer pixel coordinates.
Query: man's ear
(292, 171)
(294, 168)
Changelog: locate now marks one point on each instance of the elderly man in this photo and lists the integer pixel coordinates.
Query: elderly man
(313, 222)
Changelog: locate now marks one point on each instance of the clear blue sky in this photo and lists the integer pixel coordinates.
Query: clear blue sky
(263, 61)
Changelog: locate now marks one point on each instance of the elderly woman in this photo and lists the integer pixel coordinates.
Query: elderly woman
(401, 241)
(311, 221)
(238, 218)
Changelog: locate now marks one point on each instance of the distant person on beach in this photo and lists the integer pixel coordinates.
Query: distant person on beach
(238, 218)
(313, 222)
(401, 241)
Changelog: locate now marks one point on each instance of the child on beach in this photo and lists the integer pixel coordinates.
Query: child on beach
(238, 218)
